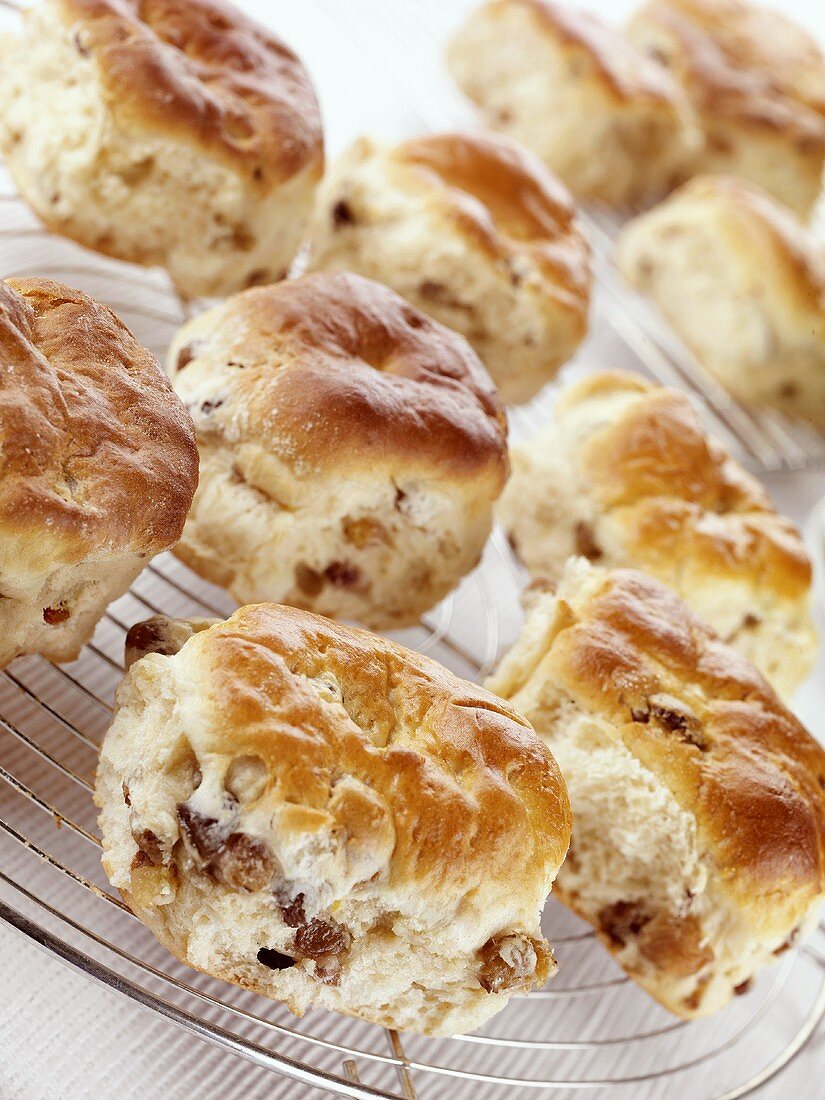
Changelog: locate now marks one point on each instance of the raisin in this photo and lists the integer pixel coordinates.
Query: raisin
(585, 542)
(149, 846)
(512, 961)
(274, 960)
(308, 580)
(621, 920)
(185, 356)
(342, 574)
(342, 214)
(56, 615)
(202, 833)
(243, 863)
(292, 910)
(320, 937)
(743, 987)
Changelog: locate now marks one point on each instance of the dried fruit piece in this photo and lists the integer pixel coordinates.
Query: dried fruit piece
(513, 961)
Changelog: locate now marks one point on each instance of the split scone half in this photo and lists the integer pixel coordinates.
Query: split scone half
(315, 814)
(474, 231)
(698, 799)
(742, 282)
(178, 133)
(756, 82)
(626, 476)
(614, 124)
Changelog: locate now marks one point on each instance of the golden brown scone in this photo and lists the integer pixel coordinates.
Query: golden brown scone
(626, 475)
(351, 449)
(613, 124)
(98, 470)
(698, 849)
(318, 815)
(173, 132)
(472, 230)
(757, 84)
(742, 282)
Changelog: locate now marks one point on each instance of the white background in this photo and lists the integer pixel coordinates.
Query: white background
(60, 1038)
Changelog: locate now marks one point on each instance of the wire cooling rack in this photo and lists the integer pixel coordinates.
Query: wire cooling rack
(591, 1030)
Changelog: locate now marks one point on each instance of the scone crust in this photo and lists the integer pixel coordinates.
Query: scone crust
(521, 207)
(437, 816)
(335, 357)
(201, 72)
(99, 455)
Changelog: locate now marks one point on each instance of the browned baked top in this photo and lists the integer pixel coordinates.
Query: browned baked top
(743, 61)
(623, 70)
(201, 71)
(506, 199)
(684, 497)
(465, 779)
(701, 718)
(98, 454)
(332, 370)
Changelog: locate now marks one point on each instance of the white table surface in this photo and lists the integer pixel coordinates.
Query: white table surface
(62, 1038)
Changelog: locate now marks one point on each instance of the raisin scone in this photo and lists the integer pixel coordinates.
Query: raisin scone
(698, 799)
(472, 230)
(351, 449)
(626, 475)
(614, 125)
(99, 465)
(756, 82)
(742, 281)
(178, 133)
(316, 814)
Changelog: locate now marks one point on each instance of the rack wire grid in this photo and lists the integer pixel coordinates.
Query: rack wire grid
(590, 1030)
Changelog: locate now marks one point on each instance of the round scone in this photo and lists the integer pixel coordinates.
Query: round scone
(474, 231)
(178, 133)
(756, 82)
(99, 465)
(313, 813)
(350, 449)
(742, 282)
(698, 800)
(625, 475)
(615, 125)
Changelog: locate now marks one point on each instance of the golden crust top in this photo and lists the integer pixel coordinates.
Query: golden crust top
(681, 494)
(704, 720)
(334, 370)
(506, 201)
(202, 72)
(469, 788)
(741, 61)
(620, 68)
(98, 454)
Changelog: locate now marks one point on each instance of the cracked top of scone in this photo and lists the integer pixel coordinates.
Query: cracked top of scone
(202, 72)
(98, 452)
(334, 371)
(625, 648)
(506, 201)
(740, 60)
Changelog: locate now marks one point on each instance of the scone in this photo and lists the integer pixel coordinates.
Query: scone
(313, 813)
(625, 475)
(350, 449)
(698, 800)
(612, 123)
(472, 230)
(178, 133)
(742, 282)
(99, 465)
(757, 84)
